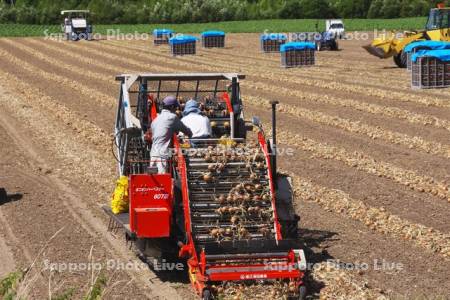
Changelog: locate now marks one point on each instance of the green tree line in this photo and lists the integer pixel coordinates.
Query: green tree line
(193, 11)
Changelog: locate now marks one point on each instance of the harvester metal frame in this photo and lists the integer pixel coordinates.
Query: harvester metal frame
(280, 258)
(126, 122)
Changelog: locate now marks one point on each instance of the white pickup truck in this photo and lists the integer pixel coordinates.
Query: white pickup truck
(336, 27)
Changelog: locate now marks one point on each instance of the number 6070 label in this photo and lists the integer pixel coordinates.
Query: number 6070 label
(161, 196)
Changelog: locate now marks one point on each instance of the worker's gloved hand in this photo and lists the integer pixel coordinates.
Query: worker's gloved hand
(148, 136)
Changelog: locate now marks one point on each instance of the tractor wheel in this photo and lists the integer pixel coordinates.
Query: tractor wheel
(3, 196)
(401, 60)
(206, 295)
(335, 46)
(302, 292)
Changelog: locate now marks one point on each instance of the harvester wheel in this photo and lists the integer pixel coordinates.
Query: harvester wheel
(401, 59)
(206, 295)
(302, 292)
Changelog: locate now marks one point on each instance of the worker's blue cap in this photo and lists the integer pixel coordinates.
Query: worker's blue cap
(170, 101)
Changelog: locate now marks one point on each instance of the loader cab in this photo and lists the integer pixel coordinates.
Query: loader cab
(438, 24)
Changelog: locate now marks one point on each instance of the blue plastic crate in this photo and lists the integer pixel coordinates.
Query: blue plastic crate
(271, 42)
(183, 45)
(162, 36)
(213, 39)
(430, 69)
(297, 54)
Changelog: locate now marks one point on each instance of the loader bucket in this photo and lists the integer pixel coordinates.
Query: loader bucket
(375, 51)
(383, 46)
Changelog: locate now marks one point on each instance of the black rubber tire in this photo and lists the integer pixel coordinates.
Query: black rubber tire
(206, 295)
(302, 292)
(401, 60)
(335, 46)
(3, 196)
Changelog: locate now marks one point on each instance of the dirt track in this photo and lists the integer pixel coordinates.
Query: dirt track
(371, 158)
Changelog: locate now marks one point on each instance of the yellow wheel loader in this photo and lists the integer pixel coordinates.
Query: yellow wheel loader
(390, 45)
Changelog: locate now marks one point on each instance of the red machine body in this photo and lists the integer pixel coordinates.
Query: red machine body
(151, 205)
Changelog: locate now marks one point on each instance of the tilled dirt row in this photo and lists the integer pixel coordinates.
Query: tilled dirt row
(316, 173)
(43, 209)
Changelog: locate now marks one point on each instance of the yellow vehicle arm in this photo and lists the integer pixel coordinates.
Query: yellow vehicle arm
(388, 45)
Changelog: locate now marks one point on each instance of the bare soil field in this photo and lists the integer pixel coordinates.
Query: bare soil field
(371, 164)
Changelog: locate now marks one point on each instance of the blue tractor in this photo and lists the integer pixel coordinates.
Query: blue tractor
(326, 40)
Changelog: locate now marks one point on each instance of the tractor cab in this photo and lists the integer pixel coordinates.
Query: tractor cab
(76, 26)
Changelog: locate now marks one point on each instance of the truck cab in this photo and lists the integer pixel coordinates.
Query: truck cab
(336, 27)
(76, 26)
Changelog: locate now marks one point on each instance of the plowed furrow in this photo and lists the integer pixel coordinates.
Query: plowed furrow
(377, 219)
(87, 92)
(360, 161)
(372, 132)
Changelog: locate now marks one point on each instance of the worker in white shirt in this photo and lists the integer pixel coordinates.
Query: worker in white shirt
(198, 123)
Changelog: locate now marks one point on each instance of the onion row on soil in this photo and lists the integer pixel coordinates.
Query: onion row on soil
(86, 59)
(340, 285)
(393, 112)
(372, 132)
(377, 219)
(360, 161)
(91, 93)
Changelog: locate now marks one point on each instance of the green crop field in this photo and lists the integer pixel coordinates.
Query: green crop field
(17, 30)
